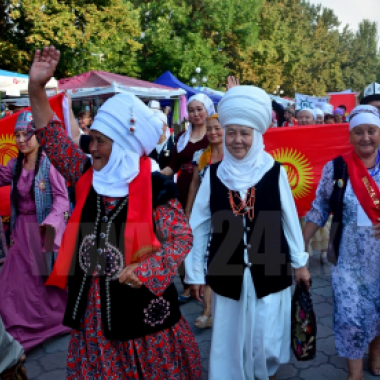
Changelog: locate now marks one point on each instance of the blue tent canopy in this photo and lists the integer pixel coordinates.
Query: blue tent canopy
(168, 79)
(5, 73)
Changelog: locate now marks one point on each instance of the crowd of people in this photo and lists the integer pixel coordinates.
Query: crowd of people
(104, 220)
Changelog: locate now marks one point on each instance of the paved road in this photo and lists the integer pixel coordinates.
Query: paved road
(48, 362)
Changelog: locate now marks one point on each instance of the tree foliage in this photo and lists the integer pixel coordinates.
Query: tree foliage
(290, 43)
(90, 34)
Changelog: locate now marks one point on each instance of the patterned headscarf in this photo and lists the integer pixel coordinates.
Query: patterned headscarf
(24, 122)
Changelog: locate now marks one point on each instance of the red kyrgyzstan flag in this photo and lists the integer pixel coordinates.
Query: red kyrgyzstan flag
(304, 151)
(8, 148)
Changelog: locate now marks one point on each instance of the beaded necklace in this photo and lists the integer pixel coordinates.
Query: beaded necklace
(246, 205)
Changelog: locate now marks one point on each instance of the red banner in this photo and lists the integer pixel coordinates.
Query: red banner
(8, 148)
(348, 100)
(304, 151)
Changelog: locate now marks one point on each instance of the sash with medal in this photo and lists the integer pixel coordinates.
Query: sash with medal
(364, 186)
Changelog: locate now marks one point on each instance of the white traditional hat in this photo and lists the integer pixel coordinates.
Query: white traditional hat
(364, 114)
(371, 93)
(135, 130)
(154, 105)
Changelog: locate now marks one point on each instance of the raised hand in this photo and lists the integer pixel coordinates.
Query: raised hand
(43, 66)
(232, 82)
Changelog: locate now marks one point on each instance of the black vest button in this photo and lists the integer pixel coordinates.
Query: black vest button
(248, 228)
(249, 265)
(249, 246)
(102, 235)
(105, 219)
(99, 251)
(99, 267)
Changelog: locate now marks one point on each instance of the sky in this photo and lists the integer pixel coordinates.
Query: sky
(353, 11)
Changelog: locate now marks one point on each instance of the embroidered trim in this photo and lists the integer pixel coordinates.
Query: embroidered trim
(371, 192)
(75, 311)
(157, 311)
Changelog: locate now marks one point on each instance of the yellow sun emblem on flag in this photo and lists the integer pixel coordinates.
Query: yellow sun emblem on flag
(300, 174)
(8, 148)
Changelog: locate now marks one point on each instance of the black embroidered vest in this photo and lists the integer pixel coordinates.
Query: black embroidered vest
(126, 313)
(268, 250)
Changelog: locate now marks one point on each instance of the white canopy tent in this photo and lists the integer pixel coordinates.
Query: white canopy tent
(15, 84)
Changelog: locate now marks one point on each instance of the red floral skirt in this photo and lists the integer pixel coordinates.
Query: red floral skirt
(171, 354)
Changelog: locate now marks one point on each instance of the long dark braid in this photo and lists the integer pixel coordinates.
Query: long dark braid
(17, 174)
(36, 168)
(16, 177)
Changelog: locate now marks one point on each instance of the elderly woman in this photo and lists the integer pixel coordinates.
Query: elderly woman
(319, 116)
(246, 207)
(349, 188)
(306, 117)
(123, 307)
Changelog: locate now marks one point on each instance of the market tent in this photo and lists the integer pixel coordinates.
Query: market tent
(13, 84)
(168, 79)
(97, 82)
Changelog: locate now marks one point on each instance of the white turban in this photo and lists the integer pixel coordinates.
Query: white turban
(364, 114)
(135, 130)
(312, 112)
(209, 106)
(327, 108)
(246, 105)
(251, 107)
(317, 112)
(154, 105)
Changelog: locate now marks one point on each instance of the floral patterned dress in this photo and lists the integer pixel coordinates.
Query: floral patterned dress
(356, 277)
(171, 354)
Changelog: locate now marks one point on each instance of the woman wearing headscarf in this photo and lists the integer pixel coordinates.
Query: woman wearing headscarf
(319, 116)
(338, 115)
(246, 203)
(199, 108)
(202, 161)
(306, 117)
(123, 306)
(31, 312)
(349, 189)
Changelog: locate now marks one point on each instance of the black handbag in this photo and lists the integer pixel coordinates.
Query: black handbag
(304, 324)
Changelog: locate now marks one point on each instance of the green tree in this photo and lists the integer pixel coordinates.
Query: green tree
(98, 34)
(360, 55)
(179, 35)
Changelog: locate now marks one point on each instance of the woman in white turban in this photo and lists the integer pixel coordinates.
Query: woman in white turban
(123, 306)
(246, 203)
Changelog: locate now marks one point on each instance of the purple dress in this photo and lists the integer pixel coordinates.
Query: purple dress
(31, 311)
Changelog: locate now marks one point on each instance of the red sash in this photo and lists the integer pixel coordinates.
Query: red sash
(365, 188)
(139, 237)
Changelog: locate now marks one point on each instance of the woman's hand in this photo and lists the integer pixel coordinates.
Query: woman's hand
(128, 276)
(302, 274)
(43, 66)
(232, 82)
(197, 292)
(376, 230)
